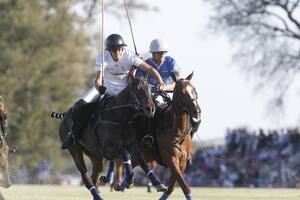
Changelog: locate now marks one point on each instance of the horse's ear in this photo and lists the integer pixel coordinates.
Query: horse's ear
(175, 77)
(189, 77)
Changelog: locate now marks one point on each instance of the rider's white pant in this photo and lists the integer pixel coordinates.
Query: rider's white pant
(91, 95)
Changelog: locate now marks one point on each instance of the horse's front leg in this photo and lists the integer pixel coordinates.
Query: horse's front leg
(97, 167)
(119, 184)
(109, 177)
(77, 155)
(173, 164)
(171, 188)
(150, 174)
(129, 175)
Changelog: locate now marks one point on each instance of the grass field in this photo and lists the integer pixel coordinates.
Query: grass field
(44, 192)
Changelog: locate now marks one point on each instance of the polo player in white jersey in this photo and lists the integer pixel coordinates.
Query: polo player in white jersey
(118, 61)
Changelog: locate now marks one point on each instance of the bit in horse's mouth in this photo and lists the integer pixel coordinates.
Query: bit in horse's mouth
(196, 119)
(196, 116)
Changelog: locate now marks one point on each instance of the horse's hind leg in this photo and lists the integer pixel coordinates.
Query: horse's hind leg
(77, 155)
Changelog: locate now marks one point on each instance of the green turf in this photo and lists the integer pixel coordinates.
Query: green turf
(44, 192)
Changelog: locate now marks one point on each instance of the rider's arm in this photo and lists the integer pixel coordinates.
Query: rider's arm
(131, 73)
(169, 86)
(98, 79)
(143, 65)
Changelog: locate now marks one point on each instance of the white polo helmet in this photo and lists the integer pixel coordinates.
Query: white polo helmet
(158, 45)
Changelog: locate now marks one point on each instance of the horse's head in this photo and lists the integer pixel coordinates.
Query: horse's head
(140, 97)
(185, 96)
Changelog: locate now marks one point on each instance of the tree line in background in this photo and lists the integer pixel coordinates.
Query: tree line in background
(45, 63)
(268, 34)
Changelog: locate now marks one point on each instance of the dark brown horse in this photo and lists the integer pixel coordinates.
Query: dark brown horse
(101, 138)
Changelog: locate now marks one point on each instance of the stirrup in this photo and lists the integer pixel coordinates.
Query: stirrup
(148, 141)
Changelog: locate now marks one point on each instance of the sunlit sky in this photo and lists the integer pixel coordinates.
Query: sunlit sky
(226, 96)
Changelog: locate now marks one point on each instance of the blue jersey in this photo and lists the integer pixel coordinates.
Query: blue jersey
(165, 70)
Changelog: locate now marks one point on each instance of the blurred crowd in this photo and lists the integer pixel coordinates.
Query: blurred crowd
(262, 158)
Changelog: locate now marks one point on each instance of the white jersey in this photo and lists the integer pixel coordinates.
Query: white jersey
(116, 73)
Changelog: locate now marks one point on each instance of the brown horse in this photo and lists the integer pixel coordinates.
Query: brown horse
(173, 130)
(4, 149)
(101, 138)
(4, 166)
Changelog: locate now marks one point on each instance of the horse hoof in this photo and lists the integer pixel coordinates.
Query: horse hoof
(119, 188)
(129, 185)
(164, 197)
(103, 180)
(129, 182)
(98, 198)
(161, 188)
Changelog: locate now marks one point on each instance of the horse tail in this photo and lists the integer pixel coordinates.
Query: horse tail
(58, 115)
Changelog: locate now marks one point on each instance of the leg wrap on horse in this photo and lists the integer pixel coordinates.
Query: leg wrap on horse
(188, 196)
(153, 178)
(164, 197)
(95, 193)
(110, 172)
(128, 166)
(128, 182)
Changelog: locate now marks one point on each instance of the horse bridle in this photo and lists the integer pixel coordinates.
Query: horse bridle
(187, 105)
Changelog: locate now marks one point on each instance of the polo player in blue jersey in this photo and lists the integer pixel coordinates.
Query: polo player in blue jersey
(165, 65)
